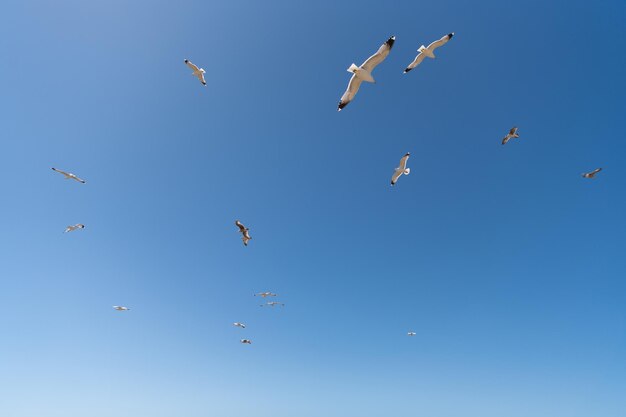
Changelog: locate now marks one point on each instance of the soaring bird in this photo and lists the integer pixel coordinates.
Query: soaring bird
(245, 235)
(364, 72)
(266, 294)
(402, 169)
(512, 134)
(121, 308)
(592, 174)
(246, 341)
(72, 228)
(411, 333)
(197, 72)
(243, 326)
(68, 175)
(428, 52)
(272, 304)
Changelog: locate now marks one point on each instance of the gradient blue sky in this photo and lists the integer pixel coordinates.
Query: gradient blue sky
(508, 265)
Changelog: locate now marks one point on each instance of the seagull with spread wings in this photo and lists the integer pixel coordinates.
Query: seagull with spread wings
(512, 134)
(74, 227)
(69, 175)
(265, 294)
(592, 174)
(245, 235)
(402, 169)
(237, 324)
(121, 308)
(197, 72)
(272, 304)
(246, 341)
(364, 72)
(428, 52)
(411, 333)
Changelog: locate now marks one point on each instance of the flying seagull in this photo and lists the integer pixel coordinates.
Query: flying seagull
(72, 228)
(512, 134)
(402, 169)
(428, 52)
(411, 333)
(245, 235)
(266, 294)
(272, 304)
(246, 341)
(68, 175)
(197, 72)
(592, 174)
(364, 72)
(243, 326)
(121, 308)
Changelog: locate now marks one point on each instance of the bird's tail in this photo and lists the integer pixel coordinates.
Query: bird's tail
(516, 135)
(407, 171)
(352, 68)
(426, 51)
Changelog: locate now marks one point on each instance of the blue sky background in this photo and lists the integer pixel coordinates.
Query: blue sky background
(508, 265)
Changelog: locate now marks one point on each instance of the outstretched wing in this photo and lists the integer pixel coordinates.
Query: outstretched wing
(192, 66)
(418, 60)
(403, 161)
(201, 78)
(61, 172)
(241, 227)
(396, 174)
(380, 55)
(348, 96)
(440, 42)
(595, 171)
(513, 131)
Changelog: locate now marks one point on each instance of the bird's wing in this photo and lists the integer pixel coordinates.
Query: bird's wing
(506, 139)
(201, 78)
(396, 175)
(353, 88)
(61, 172)
(403, 162)
(595, 171)
(241, 227)
(192, 66)
(380, 55)
(439, 42)
(418, 60)
(74, 177)
(513, 131)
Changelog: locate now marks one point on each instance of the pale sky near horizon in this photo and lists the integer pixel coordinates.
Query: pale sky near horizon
(507, 264)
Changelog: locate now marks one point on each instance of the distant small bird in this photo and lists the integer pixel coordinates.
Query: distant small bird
(121, 308)
(428, 52)
(402, 169)
(197, 72)
(411, 333)
(246, 341)
(272, 304)
(245, 235)
(243, 326)
(592, 174)
(364, 72)
(69, 175)
(72, 228)
(512, 134)
(266, 294)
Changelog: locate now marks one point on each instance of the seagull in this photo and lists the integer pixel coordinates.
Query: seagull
(121, 308)
(68, 175)
(272, 304)
(197, 72)
(592, 174)
(245, 236)
(243, 326)
(246, 341)
(364, 72)
(512, 134)
(72, 228)
(402, 169)
(411, 333)
(266, 294)
(428, 52)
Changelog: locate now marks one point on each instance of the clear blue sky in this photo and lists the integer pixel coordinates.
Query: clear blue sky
(506, 263)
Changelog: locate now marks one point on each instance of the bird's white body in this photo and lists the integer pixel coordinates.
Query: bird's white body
(74, 227)
(428, 51)
(197, 72)
(592, 174)
(272, 304)
(411, 333)
(121, 308)
(401, 169)
(266, 294)
(237, 324)
(69, 175)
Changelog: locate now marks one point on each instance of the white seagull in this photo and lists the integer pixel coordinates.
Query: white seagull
(272, 304)
(68, 175)
(121, 308)
(364, 72)
(428, 52)
(243, 326)
(197, 72)
(411, 333)
(246, 341)
(402, 169)
(592, 174)
(245, 235)
(72, 228)
(512, 134)
(265, 294)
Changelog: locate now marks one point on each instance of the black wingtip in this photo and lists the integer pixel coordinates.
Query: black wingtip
(450, 35)
(407, 70)
(390, 41)
(341, 106)
(186, 61)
